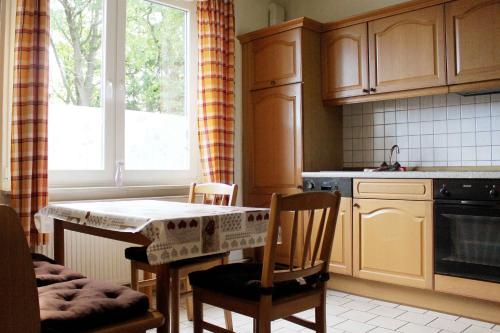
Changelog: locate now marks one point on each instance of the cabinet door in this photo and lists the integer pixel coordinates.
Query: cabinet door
(407, 51)
(273, 141)
(344, 54)
(473, 40)
(275, 60)
(393, 241)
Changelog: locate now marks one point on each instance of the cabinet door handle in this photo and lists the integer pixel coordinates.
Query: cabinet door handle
(366, 91)
(356, 205)
(300, 187)
(373, 89)
(273, 82)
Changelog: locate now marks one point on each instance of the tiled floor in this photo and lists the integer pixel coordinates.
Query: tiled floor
(355, 314)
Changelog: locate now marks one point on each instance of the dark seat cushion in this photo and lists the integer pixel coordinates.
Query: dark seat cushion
(84, 304)
(41, 257)
(138, 253)
(242, 280)
(47, 273)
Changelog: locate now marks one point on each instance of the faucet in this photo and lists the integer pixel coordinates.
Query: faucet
(394, 148)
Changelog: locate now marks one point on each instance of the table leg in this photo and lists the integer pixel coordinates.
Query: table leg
(59, 242)
(174, 304)
(163, 296)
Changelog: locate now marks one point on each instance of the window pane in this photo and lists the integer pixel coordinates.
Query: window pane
(76, 116)
(156, 122)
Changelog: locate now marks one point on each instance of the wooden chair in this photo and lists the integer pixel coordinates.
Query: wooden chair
(210, 193)
(20, 310)
(265, 292)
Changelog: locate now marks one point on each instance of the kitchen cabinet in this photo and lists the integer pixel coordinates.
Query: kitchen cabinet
(276, 60)
(344, 57)
(392, 241)
(407, 51)
(473, 40)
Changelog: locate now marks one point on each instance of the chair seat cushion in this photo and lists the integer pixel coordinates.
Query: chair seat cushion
(47, 273)
(242, 280)
(41, 257)
(84, 304)
(139, 253)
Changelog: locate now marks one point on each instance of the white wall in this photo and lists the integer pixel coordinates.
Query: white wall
(332, 10)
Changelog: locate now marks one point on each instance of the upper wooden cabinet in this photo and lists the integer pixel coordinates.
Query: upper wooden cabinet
(407, 51)
(473, 40)
(276, 60)
(274, 125)
(344, 57)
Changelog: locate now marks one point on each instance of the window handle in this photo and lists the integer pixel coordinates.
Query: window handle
(109, 90)
(119, 173)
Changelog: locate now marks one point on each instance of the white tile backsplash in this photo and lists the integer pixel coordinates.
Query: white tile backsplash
(441, 130)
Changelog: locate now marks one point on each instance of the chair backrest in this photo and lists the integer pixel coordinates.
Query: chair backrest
(214, 193)
(20, 310)
(317, 242)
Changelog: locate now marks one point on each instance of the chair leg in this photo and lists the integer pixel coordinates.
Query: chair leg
(148, 290)
(134, 275)
(197, 313)
(263, 326)
(174, 301)
(189, 307)
(229, 320)
(320, 314)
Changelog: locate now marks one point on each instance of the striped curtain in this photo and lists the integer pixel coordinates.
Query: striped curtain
(29, 114)
(216, 88)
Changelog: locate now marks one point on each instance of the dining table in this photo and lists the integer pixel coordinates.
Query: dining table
(170, 230)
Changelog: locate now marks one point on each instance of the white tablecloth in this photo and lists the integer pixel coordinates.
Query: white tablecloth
(176, 230)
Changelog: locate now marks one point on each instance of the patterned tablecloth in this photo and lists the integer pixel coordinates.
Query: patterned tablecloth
(176, 230)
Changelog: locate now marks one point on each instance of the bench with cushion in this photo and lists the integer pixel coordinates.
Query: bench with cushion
(41, 296)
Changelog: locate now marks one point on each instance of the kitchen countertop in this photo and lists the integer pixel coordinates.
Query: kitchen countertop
(406, 174)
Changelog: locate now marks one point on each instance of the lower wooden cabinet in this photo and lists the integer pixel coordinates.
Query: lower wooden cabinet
(392, 241)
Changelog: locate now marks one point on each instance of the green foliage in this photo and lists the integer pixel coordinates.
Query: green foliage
(154, 54)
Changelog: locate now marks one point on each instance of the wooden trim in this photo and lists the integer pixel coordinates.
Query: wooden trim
(301, 22)
(475, 86)
(428, 299)
(391, 95)
(381, 13)
(466, 287)
(403, 189)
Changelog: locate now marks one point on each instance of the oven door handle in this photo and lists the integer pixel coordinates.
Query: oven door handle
(468, 203)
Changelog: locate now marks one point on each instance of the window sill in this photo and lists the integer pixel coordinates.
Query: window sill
(124, 192)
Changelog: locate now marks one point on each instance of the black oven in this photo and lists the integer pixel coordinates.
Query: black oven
(467, 228)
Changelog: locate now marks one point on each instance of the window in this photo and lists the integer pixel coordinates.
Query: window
(122, 92)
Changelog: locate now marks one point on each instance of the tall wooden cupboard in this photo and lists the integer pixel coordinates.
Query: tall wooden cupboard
(286, 128)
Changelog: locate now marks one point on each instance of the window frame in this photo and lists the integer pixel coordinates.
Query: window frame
(113, 104)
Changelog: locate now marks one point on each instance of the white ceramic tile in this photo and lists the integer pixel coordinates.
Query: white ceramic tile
(390, 117)
(495, 153)
(495, 123)
(453, 126)
(378, 106)
(442, 315)
(440, 140)
(360, 316)
(454, 140)
(378, 131)
(417, 318)
(475, 322)
(413, 103)
(390, 130)
(387, 311)
(468, 153)
(402, 141)
(483, 124)
(426, 127)
(467, 111)
(368, 156)
(440, 155)
(413, 115)
(388, 323)
(468, 139)
(483, 138)
(479, 329)
(380, 330)
(357, 156)
(357, 132)
(427, 114)
(467, 100)
(427, 141)
(414, 141)
(378, 143)
(495, 109)
(449, 325)
(440, 113)
(357, 120)
(495, 137)
(402, 104)
(495, 97)
(402, 129)
(390, 142)
(402, 116)
(367, 108)
(347, 144)
(403, 155)
(468, 125)
(483, 110)
(452, 99)
(378, 118)
(357, 144)
(426, 102)
(411, 309)
(439, 126)
(453, 112)
(414, 128)
(497, 327)
(414, 328)
(483, 163)
(368, 143)
(346, 121)
(348, 156)
(368, 119)
(482, 99)
(390, 105)
(454, 154)
(379, 155)
(357, 109)
(354, 326)
(367, 131)
(439, 100)
(427, 154)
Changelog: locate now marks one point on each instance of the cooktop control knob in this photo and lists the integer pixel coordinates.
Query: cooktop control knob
(444, 191)
(308, 185)
(493, 193)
